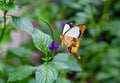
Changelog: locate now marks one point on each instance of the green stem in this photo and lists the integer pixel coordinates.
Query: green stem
(49, 27)
(4, 26)
(53, 38)
(105, 9)
(47, 58)
(92, 16)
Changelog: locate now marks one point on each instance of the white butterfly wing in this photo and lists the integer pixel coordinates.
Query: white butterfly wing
(66, 28)
(73, 32)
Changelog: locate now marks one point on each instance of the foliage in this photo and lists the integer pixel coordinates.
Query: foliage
(46, 74)
(35, 62)
(21, 73)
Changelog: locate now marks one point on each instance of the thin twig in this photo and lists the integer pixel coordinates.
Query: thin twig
(4, 26)
(49, 27)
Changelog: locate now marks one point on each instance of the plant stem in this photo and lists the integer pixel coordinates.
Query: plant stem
(4, 26)
(49, 27)
(47, 61)
(105, 9)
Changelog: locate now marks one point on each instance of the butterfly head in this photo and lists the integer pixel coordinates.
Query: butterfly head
(70, 24)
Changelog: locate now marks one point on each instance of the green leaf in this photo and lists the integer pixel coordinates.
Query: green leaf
(61, 57)
(85, 2)
(63, 61)
(109, 26)
(60, 65)
(23, 24)
(46, 74)
(32, 80)
(116, 42)
(15, 9)
(62, 80)
(102, 75)
(2, 67)
(75, 6)
(1, 80)
(21, 51)
(73, 65)
(21, 73)
(10, 6)
(41, 40)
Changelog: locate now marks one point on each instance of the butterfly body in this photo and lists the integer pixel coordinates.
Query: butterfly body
(70, 35)
(70, 42)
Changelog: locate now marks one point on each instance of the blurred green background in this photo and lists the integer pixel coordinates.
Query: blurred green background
(100, 44)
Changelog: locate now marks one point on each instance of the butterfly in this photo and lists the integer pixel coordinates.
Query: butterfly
(70, 35)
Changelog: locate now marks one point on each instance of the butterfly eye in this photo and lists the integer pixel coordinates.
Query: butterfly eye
(71, 23)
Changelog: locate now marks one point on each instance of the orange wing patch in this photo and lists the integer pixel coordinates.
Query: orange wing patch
(73, 48)
(82, 28)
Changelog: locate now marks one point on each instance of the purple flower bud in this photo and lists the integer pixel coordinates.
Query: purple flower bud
(63, 24)
(101, 39)
(53, 46)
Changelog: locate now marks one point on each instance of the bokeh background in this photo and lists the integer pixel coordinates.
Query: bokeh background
(100, 44)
